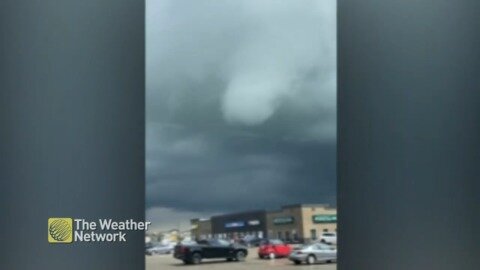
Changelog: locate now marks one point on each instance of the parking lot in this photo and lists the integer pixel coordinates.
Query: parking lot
(162, 262)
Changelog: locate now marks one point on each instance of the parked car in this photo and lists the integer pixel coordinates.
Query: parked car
(314, 253)
(293, 241)
(210, 249)
(251, 242)
(255, 242)
(159, 249)
(149, 245)
(273, 248)
(187, 242)
(329, 238)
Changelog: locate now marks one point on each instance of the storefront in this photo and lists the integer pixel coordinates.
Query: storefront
(201, 228)
(301, 222)
(240, 225)
(296, 223)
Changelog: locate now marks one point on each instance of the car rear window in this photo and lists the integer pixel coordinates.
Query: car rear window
(276, 242)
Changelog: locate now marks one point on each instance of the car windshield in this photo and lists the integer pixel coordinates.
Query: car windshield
(322, 246)
(275, 242)
(214, 242)
(305, 246)
(223, 242)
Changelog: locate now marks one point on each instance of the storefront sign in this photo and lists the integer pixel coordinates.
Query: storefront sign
(236, 224)
(254, 222)
(283, 220)
(324, 218)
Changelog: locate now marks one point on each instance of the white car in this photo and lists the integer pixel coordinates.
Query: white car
(329, 238)
(159, 249)
(314, 253)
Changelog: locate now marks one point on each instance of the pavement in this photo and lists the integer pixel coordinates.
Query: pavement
(162, 262)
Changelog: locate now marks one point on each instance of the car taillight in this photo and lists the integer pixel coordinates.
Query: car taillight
(184, 250)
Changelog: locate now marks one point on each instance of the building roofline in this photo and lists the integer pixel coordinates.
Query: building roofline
(288, 206)
(303, 205)
(324, 205)
(199, 219)
(239, 213)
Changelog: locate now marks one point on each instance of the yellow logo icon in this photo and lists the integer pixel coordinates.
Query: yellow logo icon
(60, 230)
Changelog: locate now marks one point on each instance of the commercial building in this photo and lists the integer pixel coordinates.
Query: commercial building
(299, 222)
(201, 228)
(239, 225)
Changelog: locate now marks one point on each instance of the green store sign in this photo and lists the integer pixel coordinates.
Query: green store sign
(283, 220)
(324, 218)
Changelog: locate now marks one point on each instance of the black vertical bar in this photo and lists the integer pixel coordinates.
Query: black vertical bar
(72, 128)
(408, 134)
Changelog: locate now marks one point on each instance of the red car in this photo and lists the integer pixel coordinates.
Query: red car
(273, 248)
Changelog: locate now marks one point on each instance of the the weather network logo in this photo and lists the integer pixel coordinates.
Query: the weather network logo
(69, 230)
(60, 230)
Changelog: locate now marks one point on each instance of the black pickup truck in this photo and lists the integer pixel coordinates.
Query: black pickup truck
(210, 249)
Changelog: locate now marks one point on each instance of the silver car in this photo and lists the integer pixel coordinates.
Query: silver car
(314, 253)
(159, 249)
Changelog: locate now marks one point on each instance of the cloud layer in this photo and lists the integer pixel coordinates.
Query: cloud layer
(241, 104)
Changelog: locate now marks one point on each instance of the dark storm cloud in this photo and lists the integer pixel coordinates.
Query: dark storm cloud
(240, 104)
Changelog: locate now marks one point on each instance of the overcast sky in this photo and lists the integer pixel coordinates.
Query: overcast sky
(241, 106)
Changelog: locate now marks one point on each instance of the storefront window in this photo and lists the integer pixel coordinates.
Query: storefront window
(313, 234)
